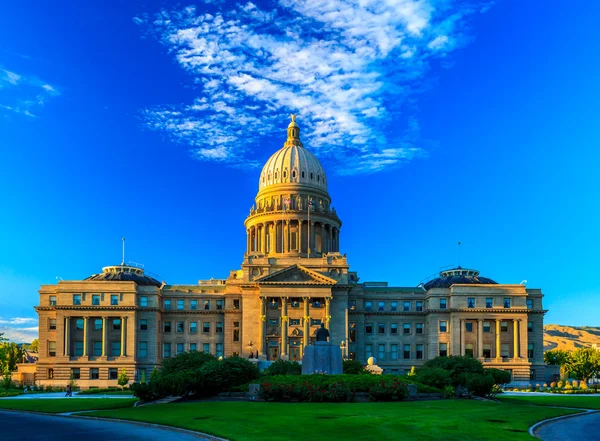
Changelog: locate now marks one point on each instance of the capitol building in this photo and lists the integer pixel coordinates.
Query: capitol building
(294, 276)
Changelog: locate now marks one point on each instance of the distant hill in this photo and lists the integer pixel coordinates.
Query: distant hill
(570, 337)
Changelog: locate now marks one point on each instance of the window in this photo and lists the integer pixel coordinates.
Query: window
(368, 306)
(380, 306)
(471, 302)
(143, 324)
(50, 374)
(97, 324)
(219, 350)
(529, 326)
(394, 328)
(193, 346)
(144, 302)
(368, 351)
(394, 306)
(95, 299)
(76, 299)
(294, 322)
(236, 335)
(443, 349)
(206, 305)
(275, 322)
(167, 304)
(52, 324)
(419, 306)
(143, 349)
(236, 304)
(487, 350)
(352, 334)
(166, 350)
(406, 327)
(78, 348)
(180, 327)
(394, 352)
(114, 299)
(193, 305)
(369, 328)
(406, 306)
(352, 305)
(79, 324)
(52, 300)
(316, 303)
(443, 326)
(532, 374)
(507, 302)
(116, 324)
(75, 373)
(406, 352)
(206, 348)
(443, 303)
(489, 302)
(206, 327)
(380, 352)
(167, 327)
(530, 352)
(193, 327)
(97, 350)
(487, 327)
(94, 374)
(504, 350)
(115, 348)
(469, 326)
(503, 326)
(52, 349)
(419, 352)
(113, 373)
(220, 305)
(419, 328)
(180, 304)
(219, 328)
(381, 328)
(529, 303)
(180, 349)
(469, 350)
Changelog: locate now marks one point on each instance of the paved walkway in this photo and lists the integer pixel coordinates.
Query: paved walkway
(51, 395)
(580, 428)
(35, 427)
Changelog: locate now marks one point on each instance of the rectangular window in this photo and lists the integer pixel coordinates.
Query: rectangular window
(443, 349)
(503, 326)
(236, 335)
(469, 350)
(75, 373)
(380, 352)
(471, 302)
(368, 351)
(206, 327)
(380, 306)
(406, 352)
(52, 349)
(443, 303)
(144, 302)
(469, 326)
(193, 327)
(143, 349)
(394, 328)
(193, 346)
(419, 352)
(113, 373)
(95, 299)
(50, 374)
(369, 328)
(180, 304)
(419, 306)
(114, 299)
(443, 326)
(167, 327)
(219, 327)
(394, 306)
(97, 348)
(180, 349)
(193, 305)
(180, 327)
(52, 324)
(529, 303)
(529, 326)
(489, 302)
(316, 303)
(52, 300)
(115, 348)
(166, 350)
(117, 324)
(97, 324)
(94, 374)
(219, 350)
(381, 328)
(504, 350)
(487, 351)
(167, 304)
(352, 332)
(394, 352)
(236, 304)
(406, 306)
(294, 322)
(487, 327)
(76, 299)
(530, 352)
(206, 348)
(352, 305)
(206, 305)
(275, 322)
(368, 306)
(406, 327)
(220, 305)
(507, 302)
(419, 328)
(143, 324)
(79, 324)
(78, 348)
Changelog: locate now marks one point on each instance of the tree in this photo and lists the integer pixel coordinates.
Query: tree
(583, 363)
(10, 355)
(557, 357)
(33, 346)
(123, 378)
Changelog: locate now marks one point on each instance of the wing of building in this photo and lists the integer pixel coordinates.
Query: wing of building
(292, 279)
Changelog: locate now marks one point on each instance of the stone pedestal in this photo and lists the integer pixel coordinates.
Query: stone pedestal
(322, 358)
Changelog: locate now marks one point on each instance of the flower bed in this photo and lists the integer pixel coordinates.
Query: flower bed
(561, 387)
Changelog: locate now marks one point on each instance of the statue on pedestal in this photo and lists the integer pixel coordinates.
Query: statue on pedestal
(322, 357)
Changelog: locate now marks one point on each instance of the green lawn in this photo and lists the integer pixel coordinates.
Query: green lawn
(59, 405)
(423, 420)
(582, 401)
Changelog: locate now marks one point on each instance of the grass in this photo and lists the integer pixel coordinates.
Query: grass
(579, 401)
(422, 420)
(60, 405)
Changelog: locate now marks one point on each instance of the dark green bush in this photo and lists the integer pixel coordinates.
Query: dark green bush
(500, 376)
(459, 367)
(390, 390)
(183, 362)
(480, 385)
(435, 377)
(144, 391)
(97, 390)
(354, 367)
(219, 376)
(283, 367)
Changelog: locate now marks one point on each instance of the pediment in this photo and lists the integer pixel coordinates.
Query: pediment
(296, 274)
(297, 332)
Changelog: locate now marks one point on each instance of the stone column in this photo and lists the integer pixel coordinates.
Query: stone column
(336, 239)
(248, 241)
(286, 236)
(123, 339)
(85, 336)
(306, 322)
(516, 339)
(299, 241)
(497, 338)
(480, 338)
(327, 316)
(312, 245)
(323, 239)
(463, 324)
(263, 244)
(67, 336)
(104, 335)
(261, 328)
(284, 326)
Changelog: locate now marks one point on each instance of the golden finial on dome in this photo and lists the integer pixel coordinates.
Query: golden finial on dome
(293, 130)
(293, 116)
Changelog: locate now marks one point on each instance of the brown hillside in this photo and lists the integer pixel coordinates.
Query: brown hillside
(570, 337)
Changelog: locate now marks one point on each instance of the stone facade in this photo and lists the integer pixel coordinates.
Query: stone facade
(292, 278)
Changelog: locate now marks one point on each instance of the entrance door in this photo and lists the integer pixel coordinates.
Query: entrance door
(274, 353)
(295, 354)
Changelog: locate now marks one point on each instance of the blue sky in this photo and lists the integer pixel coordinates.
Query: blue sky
(437, 122)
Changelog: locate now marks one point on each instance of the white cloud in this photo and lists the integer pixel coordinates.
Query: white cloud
(19, 329)
(22, 94)
(10, 77)
(17, 321)
(345, 66)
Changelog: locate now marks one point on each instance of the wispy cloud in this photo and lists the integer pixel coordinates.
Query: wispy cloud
(23, 94)
(345, 66)
(19, 329)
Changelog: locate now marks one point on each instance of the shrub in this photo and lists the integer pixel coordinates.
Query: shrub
(97, 390)
(183, 362)
(283, 367)
(123, 378)
(459, 367)
(568, 386)
(480, 384)
(583, 385)
(306, 391)
(560, 384)
(435, 377)
(354, 367)
(219, 376)
(143, 391)
(500, 376)
(553, 384)
(388, 391)
(575, 383)
(449, 392)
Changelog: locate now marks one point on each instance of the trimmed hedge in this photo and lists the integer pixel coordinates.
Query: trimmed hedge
(98, 390)
(283, 367)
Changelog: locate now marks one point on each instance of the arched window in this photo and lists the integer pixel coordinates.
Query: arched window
(302, 175)
(318, 178)
(311, 175)
(276, 175)
(294, 174)
(284, 174)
